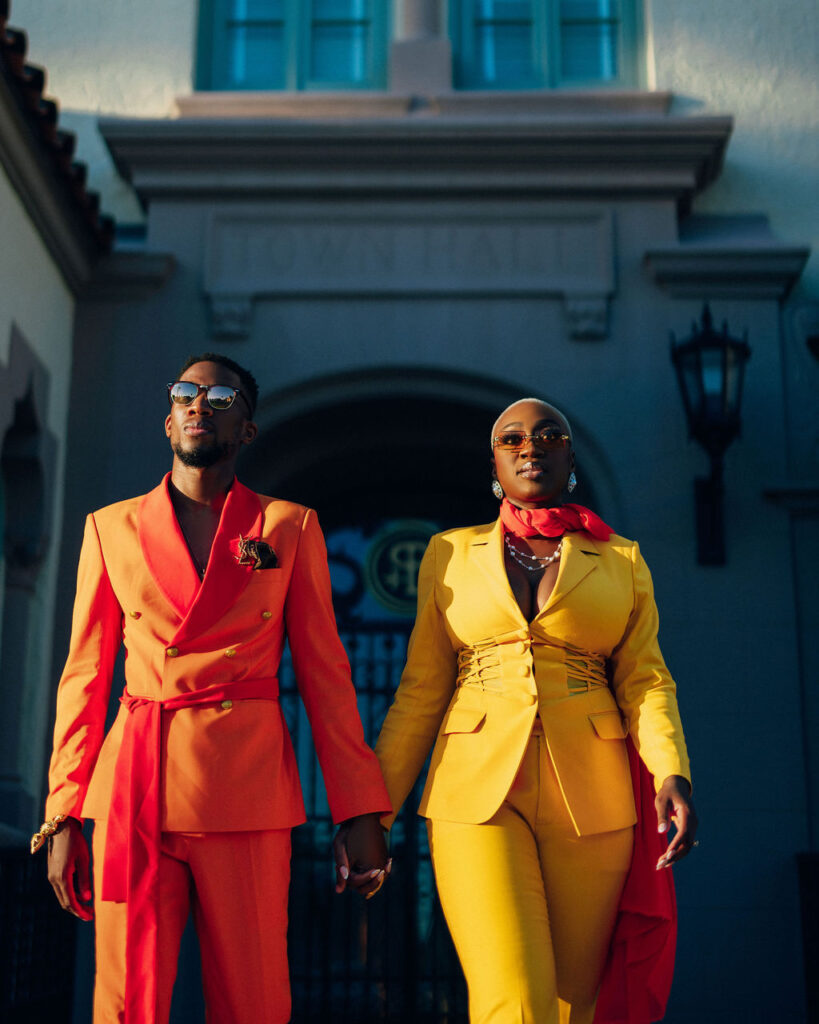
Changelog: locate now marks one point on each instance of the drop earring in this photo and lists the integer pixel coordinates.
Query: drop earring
(497, 490)
(572, 482)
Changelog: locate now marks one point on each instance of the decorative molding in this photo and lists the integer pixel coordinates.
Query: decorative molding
(230, 316)
(622, 103)
(588, 317)
(365, 249)
(128, 276)
(297, 105)
(364, 105)
(609, 156)
(760, 271)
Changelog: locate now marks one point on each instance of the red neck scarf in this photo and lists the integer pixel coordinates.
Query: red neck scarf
(552, 522)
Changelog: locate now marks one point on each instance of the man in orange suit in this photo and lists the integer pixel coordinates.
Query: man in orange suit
(194, 789)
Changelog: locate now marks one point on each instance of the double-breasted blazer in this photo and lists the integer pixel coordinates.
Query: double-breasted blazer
(232, 766)
(478, 673)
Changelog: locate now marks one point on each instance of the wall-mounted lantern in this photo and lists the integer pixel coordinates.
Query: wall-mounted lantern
(710, 369)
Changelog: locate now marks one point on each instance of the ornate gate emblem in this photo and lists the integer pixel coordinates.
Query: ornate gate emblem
(391, 567)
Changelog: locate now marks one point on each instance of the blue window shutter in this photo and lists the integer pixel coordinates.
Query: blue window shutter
(498, 44)
(292, 44)
(519, 44)
(345, 44)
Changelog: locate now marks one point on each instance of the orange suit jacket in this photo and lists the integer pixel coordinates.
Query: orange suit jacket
(477, 673)
(222, 768)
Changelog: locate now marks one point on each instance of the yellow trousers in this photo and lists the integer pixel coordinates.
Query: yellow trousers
(236, 885)
(530, 905)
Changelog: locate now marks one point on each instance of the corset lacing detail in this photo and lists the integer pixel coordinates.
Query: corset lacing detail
(483, 665)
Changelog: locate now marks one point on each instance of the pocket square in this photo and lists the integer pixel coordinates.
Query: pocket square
(254, 552)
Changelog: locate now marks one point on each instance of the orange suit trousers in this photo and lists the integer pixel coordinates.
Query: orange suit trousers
(236, 886)
(530, 904)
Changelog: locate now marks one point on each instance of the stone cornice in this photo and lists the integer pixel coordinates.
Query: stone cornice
(568, 156)
(753, 271)
(374, 105)
(127, 276)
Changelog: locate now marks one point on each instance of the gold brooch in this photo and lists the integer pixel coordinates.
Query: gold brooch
(256, 553)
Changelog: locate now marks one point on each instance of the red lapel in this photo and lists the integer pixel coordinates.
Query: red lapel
(164, 549)
(169, 562)
(224, 579)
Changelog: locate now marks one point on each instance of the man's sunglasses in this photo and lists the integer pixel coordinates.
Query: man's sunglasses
(548, 439)
(219, 396)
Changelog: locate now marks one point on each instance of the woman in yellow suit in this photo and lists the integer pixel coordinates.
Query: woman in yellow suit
(534, 654)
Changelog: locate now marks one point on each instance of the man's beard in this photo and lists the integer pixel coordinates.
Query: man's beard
(202, 458)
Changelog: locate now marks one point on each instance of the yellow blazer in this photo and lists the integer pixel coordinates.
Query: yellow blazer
(223, 768)
(477, 674)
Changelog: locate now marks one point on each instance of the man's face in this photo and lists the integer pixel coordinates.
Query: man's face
(201, 436)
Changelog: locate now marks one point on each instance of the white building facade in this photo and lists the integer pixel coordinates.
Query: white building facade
(401, 217)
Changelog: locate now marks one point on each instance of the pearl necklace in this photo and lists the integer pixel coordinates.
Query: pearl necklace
(532, 563)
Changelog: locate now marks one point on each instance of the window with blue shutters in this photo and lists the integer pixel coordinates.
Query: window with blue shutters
(535, 44)
(292, 44)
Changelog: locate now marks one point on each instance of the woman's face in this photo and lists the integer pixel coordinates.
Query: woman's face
(532, 476)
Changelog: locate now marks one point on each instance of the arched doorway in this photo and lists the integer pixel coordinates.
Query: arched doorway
(386, 459)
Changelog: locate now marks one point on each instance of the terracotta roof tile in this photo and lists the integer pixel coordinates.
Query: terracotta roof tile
(27, 84)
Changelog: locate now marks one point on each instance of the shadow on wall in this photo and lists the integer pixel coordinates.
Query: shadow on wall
(36, 937)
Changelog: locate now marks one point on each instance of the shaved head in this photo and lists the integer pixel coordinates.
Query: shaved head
(507, 417)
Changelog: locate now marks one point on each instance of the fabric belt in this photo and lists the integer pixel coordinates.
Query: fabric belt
(131, 862)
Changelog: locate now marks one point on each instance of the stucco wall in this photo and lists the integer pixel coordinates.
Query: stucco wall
(36, 328)
(755, 60)
(109, 58)
(35, 297)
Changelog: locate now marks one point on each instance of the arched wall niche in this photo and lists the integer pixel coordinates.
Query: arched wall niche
(402, 441)
(27, 468)
(28, 459)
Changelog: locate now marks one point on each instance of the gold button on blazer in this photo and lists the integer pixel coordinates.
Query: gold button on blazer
(478, 673)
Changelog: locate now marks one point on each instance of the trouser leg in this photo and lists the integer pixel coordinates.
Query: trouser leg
(111, 928)
(491, 889)
(241, 882)
(583, 878)
(530, 905)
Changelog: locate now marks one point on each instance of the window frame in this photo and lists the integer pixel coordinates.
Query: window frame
(545, 17)
(212, 62)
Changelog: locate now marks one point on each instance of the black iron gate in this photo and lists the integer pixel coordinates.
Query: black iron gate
(391, 958)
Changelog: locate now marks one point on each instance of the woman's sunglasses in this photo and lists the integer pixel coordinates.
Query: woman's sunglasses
(547, 439)
(219, 396)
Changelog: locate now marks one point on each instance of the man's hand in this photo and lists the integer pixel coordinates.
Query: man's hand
(68, 870)
(674, 800)
(360, 852)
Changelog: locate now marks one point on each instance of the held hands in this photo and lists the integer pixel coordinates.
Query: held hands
(674, 801)
(68, 870)
(360, 852)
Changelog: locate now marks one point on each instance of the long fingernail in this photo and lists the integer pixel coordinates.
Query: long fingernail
(375, 872)
(389, 865)
(662, 826)
(345, 874)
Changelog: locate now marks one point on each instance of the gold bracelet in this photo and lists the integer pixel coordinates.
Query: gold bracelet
(47, 830)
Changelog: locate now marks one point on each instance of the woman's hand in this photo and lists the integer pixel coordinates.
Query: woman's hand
(68, 869)
(674, 801)
(360, 852)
